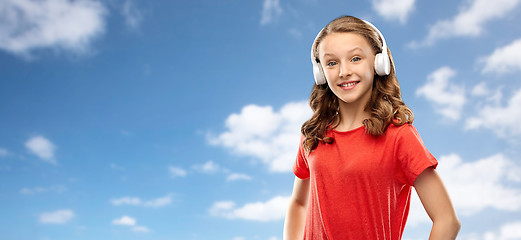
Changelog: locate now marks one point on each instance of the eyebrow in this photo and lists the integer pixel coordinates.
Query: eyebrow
(352, 50)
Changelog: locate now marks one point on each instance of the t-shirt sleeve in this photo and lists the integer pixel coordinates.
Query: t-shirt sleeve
(300, 167)
(412, 155)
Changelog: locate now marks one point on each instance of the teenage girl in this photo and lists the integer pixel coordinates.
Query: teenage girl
(359, 154)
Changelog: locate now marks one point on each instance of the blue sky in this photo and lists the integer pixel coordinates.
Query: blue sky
(126, 119)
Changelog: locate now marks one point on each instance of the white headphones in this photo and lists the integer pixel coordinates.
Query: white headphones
(382, 64)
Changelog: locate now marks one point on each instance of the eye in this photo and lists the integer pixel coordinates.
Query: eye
(332, 63)
(356, 59)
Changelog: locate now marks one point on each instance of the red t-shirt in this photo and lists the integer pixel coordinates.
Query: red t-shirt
(360, 186)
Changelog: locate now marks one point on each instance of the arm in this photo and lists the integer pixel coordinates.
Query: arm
(296, 214)
(436, 202)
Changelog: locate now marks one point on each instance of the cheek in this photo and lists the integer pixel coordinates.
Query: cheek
(369, 72)
(370, 75)
(329, 73)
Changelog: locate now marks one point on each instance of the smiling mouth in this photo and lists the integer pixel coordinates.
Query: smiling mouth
(348, 84)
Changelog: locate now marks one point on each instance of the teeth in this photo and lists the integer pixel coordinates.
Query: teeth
(348, 84)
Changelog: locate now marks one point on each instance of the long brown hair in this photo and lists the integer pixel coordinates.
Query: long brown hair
(385, 105)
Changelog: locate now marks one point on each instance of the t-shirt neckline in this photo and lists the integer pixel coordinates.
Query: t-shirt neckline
(349, 131)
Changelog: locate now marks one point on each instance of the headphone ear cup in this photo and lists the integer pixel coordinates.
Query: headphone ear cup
(382, 65)
(320, 78)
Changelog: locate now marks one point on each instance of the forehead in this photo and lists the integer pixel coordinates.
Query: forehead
(341, 42)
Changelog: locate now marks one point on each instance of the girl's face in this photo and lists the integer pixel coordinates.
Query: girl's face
(348, 63)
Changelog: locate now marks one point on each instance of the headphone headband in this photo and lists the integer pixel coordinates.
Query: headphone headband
(382, 64)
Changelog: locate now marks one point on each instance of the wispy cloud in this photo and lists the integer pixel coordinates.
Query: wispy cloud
(503, 60)
(209, 167)
(56, 24)
(502, 120)
(132, 14)
(238, 176)
(272, 210)
(296, 33)
(131, 222)
(3, 152)
(142, 229)
(126, 133)
(57, 217)
(271, 10)
(36, 190)
(264, 134)
(136, 201)
(159, 202)
(117, 167)
(469, 22)
(42, 147)
(176, 171)
(446, 97)
(483, 94)
(394, 9)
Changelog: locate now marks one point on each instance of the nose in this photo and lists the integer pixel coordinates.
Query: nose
(345, 70)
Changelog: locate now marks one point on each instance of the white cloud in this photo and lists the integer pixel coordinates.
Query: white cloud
(446, 97)
(42, 147)
(486, 95)
(508, 231)
(475, 186)
(469, 21)
(208, 167)
(27, 25)
(57, 217)
(480, 184)
(176, 171)
(271, 10)
(238, 176)
(35, 190)
(504, 121)
(142, 229)
(135, 201)
(132, 14)
(503, 60)
(125, 220)
(159, 202)
(480, 90)
(394, 9)
(272, 210)
(130, 222)
(272, 137)
(219, 208)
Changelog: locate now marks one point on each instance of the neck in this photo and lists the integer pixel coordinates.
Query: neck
(352, 116)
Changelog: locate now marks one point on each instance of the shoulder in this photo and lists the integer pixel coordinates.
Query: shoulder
(403, 133)
(406, 129)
